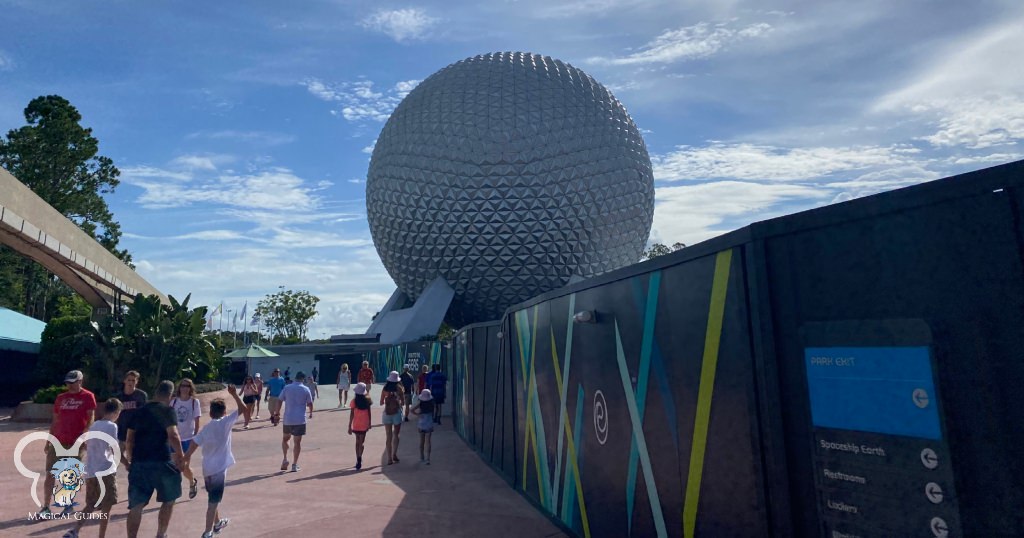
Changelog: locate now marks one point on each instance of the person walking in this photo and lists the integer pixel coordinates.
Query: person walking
(359, 420)
(274, 387)
(73, 414)
(437, 383)
(422, 379)
(132, 398)
(187, 410)
(313, 375)
(250, 395)
(366, 377)
(344, 381)
(259, 391)
(391, 397)
(151, 467)
(296, 399)
(99, 457)
(215, 440)
(424, 409)
(407, 383)
(313, 391)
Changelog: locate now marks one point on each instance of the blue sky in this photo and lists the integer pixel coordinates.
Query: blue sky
(243, 130)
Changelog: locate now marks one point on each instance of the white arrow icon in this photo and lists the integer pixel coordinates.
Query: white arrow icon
(920, 398)
(934, 492)
(939, 527)
(929, 458)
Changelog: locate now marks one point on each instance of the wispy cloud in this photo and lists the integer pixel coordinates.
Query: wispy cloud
(6, 62)
(761, 162)
(577, 8)
(691, 42)
(264, 138)
(267, 189)
(358, 100)
(968, 92)
(401, 24)
(201, 162)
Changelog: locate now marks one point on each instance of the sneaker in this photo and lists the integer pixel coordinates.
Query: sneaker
(208, 534)
(396, 459)
(284, 465)
(73, 533)
(193, 490)
(257, 416)
(220, 524)
(428, 461)
(246, 427)
(295, 467)
(359, 463)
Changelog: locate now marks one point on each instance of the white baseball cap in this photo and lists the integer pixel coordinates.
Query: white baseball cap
(360, 388)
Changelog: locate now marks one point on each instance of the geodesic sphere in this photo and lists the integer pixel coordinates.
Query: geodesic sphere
(507, 174)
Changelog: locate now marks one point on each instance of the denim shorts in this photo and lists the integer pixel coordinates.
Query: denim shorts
(391, 419)
(215, 486)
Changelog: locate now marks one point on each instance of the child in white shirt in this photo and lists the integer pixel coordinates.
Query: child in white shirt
(215, 439)
(99, 457)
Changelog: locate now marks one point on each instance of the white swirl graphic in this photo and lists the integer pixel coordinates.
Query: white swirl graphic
(600, 417)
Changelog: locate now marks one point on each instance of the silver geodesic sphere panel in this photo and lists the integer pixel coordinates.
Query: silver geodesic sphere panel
(506, 174)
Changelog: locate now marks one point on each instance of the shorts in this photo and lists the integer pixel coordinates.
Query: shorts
(391, 419)
(145, 477)
(275, 404)
(214, 484)
(51, 454)
(92, 492)
(295, 429)
(250, 399)
(185, 444)
(426, 424)
(408, 398)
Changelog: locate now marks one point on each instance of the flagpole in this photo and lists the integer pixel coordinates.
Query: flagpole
(221, 316)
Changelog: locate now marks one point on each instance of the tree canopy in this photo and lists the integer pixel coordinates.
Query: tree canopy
(658, 249)
(287, 313)
(56, 157)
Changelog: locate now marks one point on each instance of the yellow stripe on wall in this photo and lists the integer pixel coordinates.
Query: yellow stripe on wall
(716, 312)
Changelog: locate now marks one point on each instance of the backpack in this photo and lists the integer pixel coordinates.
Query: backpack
(391, 404)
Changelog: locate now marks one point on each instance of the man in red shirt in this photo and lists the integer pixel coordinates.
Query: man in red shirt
(73, 413)
(366, 376)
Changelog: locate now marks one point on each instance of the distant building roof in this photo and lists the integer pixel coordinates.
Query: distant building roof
(19, 332)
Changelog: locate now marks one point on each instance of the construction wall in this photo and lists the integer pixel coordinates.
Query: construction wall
(848, 371)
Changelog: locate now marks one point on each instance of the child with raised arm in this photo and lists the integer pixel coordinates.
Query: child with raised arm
(215, 440)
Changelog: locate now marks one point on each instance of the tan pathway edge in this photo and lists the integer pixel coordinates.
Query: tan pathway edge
(457, 495)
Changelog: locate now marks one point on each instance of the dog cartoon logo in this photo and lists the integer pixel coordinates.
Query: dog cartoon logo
(68, 471)
(68, 479)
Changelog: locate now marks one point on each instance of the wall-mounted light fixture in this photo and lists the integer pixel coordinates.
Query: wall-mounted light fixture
(585, 316)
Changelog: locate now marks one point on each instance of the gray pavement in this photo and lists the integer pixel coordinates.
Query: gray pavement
(457, 495)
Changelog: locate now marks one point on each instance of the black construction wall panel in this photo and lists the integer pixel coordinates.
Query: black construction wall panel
(684, 408)
(956, 266)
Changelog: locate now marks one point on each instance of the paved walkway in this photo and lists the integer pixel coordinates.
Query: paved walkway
(457, 495)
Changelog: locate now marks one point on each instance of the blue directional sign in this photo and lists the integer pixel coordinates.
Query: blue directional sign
(888, 390)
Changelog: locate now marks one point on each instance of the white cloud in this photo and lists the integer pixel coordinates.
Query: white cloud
(212, 235)
(357, 181)
(691, 42)
(6, 62)
(694, 213)
(200, 162)
(358, 100)
(401, 24)
(132, 174)
(369, 149)
(267, 189)
(969, 91)
(580, 8)
(264, 138)
(761, 162)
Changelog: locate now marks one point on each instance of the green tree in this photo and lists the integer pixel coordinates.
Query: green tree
(658, 249)
(56, 157)
(287, 314)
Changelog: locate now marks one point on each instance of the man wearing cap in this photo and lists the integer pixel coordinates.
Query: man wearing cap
(73, 413)
(296, 398)
(274, 387)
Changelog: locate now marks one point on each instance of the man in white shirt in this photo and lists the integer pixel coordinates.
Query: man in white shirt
(215, 439)
(296, 399)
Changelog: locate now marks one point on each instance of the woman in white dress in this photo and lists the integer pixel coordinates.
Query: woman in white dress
(344, 380)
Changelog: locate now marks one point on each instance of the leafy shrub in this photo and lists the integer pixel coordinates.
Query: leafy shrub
(208, 387)
(48, 395)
